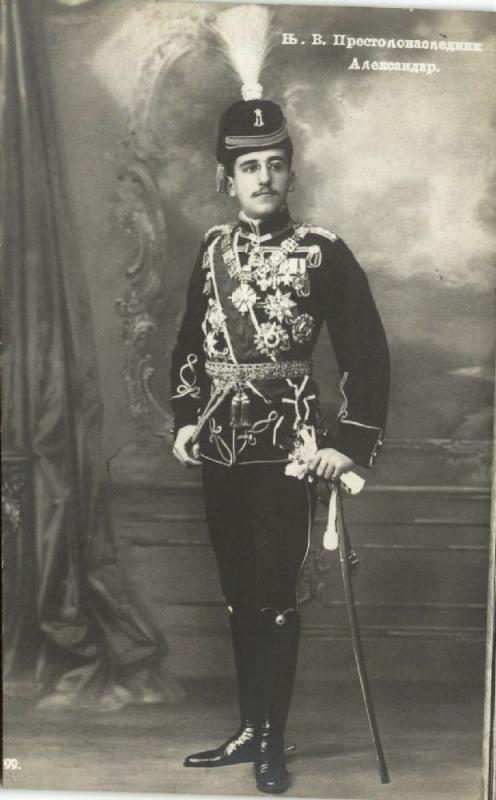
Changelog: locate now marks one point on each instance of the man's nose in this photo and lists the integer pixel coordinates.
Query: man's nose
(264, 175)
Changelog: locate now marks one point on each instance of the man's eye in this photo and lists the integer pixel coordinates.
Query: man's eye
(249, 168)
(277, 166)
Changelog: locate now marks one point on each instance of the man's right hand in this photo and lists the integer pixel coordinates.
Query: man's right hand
(184, 450)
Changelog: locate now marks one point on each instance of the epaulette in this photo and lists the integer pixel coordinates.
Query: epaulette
(333, 237)
(217, 230)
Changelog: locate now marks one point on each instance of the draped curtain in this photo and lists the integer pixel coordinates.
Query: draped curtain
(70, 624)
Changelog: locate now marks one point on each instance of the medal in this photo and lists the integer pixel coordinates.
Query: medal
(256, 258)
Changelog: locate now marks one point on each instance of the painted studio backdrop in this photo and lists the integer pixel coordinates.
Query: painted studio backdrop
(398, 164)
(124, 99)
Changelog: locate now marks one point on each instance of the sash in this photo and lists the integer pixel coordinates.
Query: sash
(239, 328)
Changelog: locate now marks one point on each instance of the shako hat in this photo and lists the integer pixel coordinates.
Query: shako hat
(252, 123)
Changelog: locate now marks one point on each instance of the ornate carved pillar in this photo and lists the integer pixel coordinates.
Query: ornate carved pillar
(140, 213)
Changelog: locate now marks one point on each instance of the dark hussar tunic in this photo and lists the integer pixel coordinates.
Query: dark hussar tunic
(241, 370)
(259, 294)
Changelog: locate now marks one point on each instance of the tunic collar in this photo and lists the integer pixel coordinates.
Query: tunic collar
(266, 228)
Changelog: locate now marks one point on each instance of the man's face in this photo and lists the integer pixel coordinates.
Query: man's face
(261, 182)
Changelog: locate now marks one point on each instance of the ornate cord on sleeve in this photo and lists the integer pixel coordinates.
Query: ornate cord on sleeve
(187, 387)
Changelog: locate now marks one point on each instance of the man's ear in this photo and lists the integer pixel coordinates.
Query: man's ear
(231, 188)
(292, 181)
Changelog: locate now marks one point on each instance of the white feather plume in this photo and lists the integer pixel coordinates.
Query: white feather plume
(244, 34)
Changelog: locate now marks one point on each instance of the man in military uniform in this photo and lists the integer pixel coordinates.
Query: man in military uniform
(246, 407)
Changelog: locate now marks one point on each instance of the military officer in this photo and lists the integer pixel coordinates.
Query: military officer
(246, 406)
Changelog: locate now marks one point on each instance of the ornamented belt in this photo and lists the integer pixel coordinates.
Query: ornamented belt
(235, 377)
(241, 373)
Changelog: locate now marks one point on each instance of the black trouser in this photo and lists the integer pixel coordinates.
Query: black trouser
(259, 523)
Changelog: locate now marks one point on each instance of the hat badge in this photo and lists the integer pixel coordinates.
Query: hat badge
(259, 122)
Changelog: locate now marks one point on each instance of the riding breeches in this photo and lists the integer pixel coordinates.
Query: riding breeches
(259, 522)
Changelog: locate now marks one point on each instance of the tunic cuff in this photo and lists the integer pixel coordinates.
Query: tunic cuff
(359, 442)
(182, 417)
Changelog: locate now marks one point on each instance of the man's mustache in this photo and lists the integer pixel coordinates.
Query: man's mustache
(265, 191)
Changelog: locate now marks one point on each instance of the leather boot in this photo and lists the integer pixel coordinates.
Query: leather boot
(242, 746)
(271, 774)
(243, 621)
(281, 638)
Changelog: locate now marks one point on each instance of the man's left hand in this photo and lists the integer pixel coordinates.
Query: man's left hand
(329, 464)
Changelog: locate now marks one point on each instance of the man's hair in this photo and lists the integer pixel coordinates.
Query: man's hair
(287, 146)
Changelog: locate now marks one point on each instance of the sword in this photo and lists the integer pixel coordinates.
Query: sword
(348, 561)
